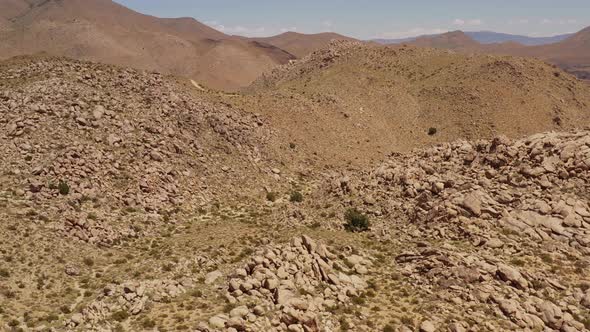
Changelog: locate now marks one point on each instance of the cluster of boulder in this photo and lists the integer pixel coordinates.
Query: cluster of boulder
(129, 298)
(495, 221)
(292, 287)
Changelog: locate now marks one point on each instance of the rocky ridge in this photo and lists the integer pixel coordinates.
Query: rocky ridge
(76, 133)
(500, 227)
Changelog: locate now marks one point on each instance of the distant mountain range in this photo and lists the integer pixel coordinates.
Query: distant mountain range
(490, 37)
(104, 31)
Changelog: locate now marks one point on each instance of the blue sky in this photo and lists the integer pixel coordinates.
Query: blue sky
(376, 18)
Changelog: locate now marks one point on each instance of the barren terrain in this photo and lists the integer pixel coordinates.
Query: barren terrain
(169, 186)
(133, 201)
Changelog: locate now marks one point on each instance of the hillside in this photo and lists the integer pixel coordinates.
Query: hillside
(102, 163)
(135, 201)
(498, 226)
(354, 103)
(101, 30)
(570, 54)
(300, 44)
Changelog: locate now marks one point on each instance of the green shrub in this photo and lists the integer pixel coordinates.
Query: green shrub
(356, 221)
(432, 131)
(64, 188)
(296, 197)
(51, 318)
(148, 324)
(120, 316)
(88, 261)
(271, 196)
(388, 328)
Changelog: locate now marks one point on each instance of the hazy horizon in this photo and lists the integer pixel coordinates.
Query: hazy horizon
(376, 19)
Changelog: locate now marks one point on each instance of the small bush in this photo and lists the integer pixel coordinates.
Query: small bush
(296, 197)
(271, 196)
(64, 188)
(388, 328)
(356, 221)
(344, 325)
(51, 318)
(4, 273)
(148, 324)
(432, 131)
(120, 316)
(88, 261)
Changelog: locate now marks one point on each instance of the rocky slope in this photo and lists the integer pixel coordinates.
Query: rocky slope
(132, 203)
(570, 54)
(119, 137)
(485, 235)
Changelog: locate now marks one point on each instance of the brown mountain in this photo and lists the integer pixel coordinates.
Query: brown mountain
(450, 40)
(101, 30)
(300, 44)
(571, 54)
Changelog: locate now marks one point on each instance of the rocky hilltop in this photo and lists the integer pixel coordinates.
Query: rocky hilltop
(355, 103)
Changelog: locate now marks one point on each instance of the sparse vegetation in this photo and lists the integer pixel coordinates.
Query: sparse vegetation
(64, 188)
(88, 261)
(356, 221)
(388, 328)
(167, 224)
(148, 323)
(296, 197)
(272, 196)
(120, 316)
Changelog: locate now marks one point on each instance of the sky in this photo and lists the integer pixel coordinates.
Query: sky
(367, 19)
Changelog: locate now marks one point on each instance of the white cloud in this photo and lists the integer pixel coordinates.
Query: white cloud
(519, 21)
(411, 33)
(248, 31)
(469, 22)
(327, 25)
(283, 30)
(559, 21)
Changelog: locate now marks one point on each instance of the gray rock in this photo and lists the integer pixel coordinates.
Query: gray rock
(211, 277)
